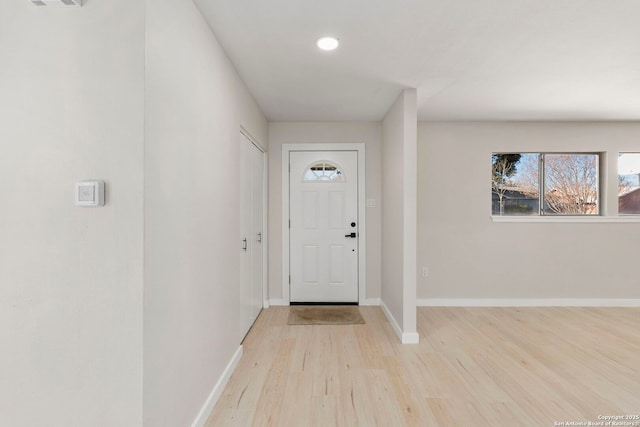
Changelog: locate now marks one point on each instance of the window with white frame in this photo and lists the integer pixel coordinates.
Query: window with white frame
(323, 171)
(629, 183)
(545, 184)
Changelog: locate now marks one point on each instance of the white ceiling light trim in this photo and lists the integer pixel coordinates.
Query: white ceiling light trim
(64, 3)
(327, 43)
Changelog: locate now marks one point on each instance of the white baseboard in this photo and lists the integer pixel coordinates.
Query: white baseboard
(215, 394)
(528, 302)
(392, 320)
(410, 338)
(404, 337)
(366, 302)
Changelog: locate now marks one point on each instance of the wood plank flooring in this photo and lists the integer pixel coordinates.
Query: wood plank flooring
(473, 367)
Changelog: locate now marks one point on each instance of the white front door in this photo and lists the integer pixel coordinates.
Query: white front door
(323, 226)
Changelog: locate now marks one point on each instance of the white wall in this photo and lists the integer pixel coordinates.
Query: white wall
(399, 186)
(368, 133)
(71, 108)
(469, 256)
(195, 105)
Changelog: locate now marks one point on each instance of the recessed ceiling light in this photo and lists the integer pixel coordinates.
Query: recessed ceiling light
(327, 43)
(57, 2)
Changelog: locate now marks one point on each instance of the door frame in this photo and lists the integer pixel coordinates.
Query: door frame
(362, 235)
(265, 215)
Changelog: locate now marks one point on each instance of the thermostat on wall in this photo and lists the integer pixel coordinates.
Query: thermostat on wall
(90, 193)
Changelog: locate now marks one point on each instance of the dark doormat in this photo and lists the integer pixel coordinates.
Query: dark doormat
(324, 315)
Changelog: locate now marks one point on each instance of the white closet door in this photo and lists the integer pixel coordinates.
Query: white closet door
(251, 233)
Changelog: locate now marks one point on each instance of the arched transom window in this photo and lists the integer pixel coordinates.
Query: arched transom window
(324, 171)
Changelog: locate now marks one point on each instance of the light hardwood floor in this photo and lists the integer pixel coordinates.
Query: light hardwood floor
(473, 367)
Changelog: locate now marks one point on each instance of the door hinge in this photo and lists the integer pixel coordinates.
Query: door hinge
(289, 223)
(289, 279)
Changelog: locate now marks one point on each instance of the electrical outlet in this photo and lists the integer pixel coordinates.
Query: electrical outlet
(425, 271)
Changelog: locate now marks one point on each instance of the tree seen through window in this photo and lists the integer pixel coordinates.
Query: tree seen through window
(545, 184)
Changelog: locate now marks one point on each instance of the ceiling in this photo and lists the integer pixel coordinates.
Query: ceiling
(468, 59)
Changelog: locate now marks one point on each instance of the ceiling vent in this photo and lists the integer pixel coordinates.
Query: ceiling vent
(57, 3)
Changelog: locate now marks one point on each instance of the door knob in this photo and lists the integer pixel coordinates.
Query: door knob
(351, 235)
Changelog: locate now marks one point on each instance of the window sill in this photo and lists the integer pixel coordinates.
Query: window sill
(567, 219)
